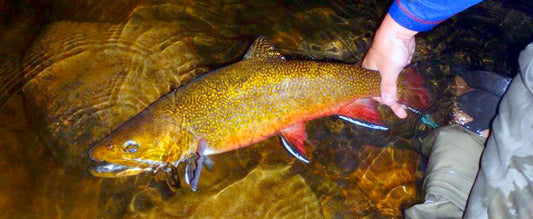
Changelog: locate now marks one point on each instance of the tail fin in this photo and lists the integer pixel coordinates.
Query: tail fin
(413, 90)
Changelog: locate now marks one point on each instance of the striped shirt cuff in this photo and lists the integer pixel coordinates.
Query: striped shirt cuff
(424, 15)
(404, 17)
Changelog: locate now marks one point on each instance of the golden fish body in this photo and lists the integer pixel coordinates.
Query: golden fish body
(241, 104)
(253, 100)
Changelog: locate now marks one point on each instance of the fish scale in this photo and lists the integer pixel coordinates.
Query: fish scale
(265, 108)
(244, 103)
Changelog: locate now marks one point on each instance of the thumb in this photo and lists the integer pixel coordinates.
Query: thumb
(388, 88)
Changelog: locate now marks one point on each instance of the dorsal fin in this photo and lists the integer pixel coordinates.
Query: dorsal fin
(261, 49)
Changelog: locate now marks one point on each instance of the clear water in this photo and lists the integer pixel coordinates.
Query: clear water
(74, 71)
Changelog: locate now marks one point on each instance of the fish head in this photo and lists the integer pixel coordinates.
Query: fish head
(145, 143)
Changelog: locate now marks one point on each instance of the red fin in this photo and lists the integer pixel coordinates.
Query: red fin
(293, 138)
(363, 110)
(413, 90)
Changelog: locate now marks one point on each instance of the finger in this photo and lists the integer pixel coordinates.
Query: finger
(399, 110)
(388, 89)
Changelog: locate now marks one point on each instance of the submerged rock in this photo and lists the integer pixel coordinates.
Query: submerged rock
(266, 192)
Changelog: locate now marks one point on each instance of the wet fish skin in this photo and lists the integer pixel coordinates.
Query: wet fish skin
(241, 104)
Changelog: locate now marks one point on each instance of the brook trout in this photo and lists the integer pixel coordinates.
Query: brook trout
(235, 106)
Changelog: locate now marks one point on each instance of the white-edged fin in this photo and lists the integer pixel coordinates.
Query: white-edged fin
(190, 166)
(194, 165)
(364, 124)
(293, 150)
(261, 49)
(209, 163)
(197, 172)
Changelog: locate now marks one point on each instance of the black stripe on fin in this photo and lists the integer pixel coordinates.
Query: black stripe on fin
(363, 124)
(293, 150)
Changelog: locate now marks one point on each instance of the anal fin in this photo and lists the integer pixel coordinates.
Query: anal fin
(292, 138)
(362, 112)
(194, 165)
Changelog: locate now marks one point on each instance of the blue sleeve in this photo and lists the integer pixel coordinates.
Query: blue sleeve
(423, 15)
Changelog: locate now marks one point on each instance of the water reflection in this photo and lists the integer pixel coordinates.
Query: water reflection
(96, 64)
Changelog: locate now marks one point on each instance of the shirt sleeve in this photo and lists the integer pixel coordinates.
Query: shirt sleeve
(423, 15)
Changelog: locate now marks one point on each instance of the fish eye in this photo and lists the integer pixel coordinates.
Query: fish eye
(131, 146)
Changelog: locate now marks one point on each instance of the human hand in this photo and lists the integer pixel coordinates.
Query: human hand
(391, 50)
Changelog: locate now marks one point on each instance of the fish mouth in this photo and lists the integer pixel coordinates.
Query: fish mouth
(110, 170)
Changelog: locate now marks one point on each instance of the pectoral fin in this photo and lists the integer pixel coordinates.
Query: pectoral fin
(292, 138)
(190, 167)
(362, 112)
(194, 165)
